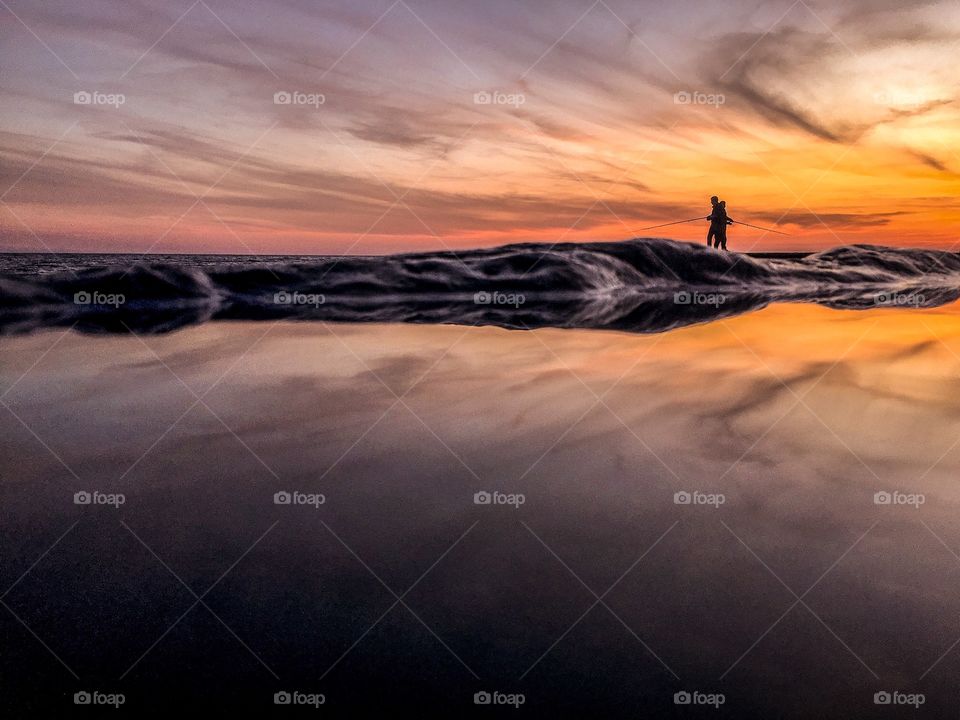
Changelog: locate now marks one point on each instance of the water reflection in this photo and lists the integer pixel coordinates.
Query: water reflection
(797, 592)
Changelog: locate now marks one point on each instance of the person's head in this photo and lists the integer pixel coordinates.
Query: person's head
(713, 200)
(723, 204)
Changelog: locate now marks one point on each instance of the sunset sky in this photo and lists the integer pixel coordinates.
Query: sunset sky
(837, 121)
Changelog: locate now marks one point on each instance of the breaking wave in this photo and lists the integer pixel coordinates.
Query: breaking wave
(641, 285)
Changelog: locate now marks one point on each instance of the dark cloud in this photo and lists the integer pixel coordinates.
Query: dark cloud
(782, 111)
(917, 110)
(833, 220)
(766, 71)
(930, 161)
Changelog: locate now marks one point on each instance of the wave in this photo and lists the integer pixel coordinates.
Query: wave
(640, 285)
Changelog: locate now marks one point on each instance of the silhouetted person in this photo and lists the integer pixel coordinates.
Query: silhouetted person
(714, 221)
(717, 235)
(722, 235)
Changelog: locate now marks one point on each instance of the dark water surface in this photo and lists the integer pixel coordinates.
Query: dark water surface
(599, 596)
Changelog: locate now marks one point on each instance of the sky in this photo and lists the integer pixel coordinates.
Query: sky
(378, 126)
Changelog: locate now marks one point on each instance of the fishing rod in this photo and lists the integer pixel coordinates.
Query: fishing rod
(736, 222)
(673, 223)
(757, 227)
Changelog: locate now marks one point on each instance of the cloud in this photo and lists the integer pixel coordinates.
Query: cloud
(782, 111)
(276, 192)
(554, 129)
(822, 74)
(387, 133)
(767, 72)
(930, 161)
(832, 220)
(398, 103)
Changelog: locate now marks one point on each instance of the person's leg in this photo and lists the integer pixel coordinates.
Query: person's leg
(710, 233)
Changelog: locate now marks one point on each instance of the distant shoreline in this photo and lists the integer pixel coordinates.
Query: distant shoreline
(774, 255)
(794, 255)
(762, 255)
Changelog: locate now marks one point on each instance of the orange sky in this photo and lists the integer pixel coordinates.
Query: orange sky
(836, 121)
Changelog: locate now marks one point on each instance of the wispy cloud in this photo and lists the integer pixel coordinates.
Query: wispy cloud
(598, 144)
